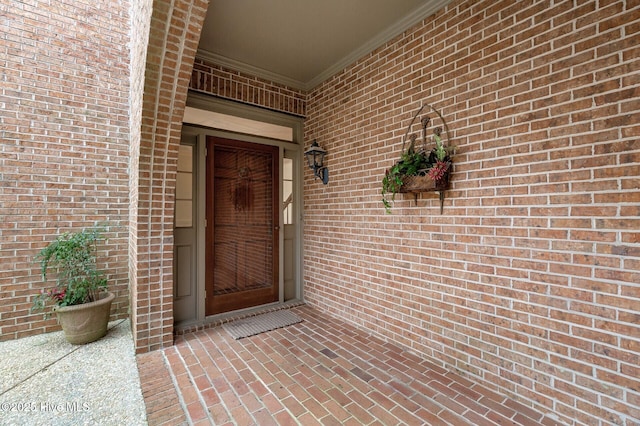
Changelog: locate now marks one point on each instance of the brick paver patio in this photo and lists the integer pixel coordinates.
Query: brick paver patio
(320, 371)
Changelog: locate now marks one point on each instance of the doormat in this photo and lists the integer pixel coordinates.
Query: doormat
(260, 323)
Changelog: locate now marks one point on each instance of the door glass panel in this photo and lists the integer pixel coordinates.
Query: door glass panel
(184, 187)
(287, 190)
(185, 291)
(185, 158)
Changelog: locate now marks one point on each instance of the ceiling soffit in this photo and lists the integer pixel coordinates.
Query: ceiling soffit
(317, 71)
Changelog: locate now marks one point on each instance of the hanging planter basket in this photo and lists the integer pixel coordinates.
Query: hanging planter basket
(421, 168)
(416, 184)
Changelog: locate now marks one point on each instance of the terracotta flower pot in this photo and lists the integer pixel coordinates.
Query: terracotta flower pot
(87, 322)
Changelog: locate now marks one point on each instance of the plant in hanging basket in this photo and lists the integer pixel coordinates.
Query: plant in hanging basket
(419, 169)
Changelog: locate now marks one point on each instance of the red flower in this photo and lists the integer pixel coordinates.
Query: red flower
(58, 294)
(438, 170)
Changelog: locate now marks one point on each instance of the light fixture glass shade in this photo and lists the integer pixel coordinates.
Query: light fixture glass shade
(315, 159)
(315, 155)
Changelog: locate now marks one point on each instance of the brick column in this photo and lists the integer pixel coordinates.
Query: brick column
(173, 41)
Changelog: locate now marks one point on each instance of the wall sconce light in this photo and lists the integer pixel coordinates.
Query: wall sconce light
(315, 157)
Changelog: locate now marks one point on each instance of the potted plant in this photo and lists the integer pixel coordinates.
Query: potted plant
(80, 300)
(419, 169)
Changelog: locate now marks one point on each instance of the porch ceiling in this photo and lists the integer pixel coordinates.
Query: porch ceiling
(301, 43)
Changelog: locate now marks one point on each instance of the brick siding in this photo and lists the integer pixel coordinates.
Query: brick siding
(173, 40)
(529, 280)
(64, 153)
(141, 21)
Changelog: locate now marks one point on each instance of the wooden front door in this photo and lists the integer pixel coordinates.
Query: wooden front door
(242, 225)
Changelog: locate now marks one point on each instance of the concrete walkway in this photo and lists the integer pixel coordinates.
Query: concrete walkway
(48, 381)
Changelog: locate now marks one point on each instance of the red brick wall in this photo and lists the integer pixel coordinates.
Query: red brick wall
(229, 84)
(63, 143)
(530, 279)
(173, 39)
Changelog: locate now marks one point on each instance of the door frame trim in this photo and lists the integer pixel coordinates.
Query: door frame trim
(209, 103)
